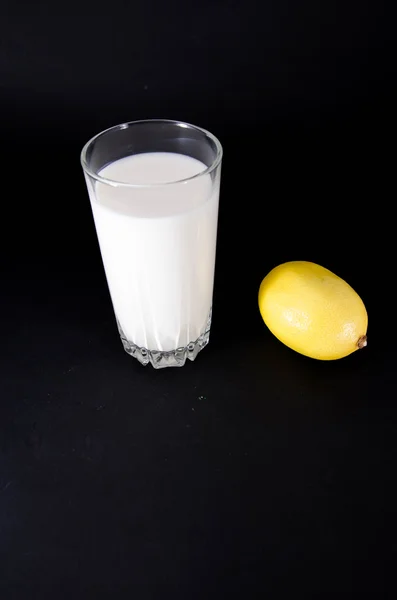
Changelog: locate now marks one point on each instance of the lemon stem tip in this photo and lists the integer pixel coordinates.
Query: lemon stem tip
(362, 342)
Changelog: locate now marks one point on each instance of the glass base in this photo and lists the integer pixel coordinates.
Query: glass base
(173, 358)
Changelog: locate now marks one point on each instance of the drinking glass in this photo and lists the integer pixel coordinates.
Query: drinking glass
(154, 192)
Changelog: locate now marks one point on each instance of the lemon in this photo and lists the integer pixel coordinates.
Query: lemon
(313, 311)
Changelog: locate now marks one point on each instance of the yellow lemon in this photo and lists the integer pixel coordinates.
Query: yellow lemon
(313, 311)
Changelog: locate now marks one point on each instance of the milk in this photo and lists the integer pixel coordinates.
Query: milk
(158, 246)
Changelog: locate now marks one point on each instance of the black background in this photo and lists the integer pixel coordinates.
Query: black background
(253, 472)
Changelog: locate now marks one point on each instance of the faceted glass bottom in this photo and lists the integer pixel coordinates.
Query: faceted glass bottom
(173, 358)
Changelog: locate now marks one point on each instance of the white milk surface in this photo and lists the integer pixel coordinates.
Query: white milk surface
(158, 246)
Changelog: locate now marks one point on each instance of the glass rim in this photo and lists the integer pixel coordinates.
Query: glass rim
(113, 182)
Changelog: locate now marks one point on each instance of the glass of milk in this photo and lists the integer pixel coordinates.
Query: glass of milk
(154, 192)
